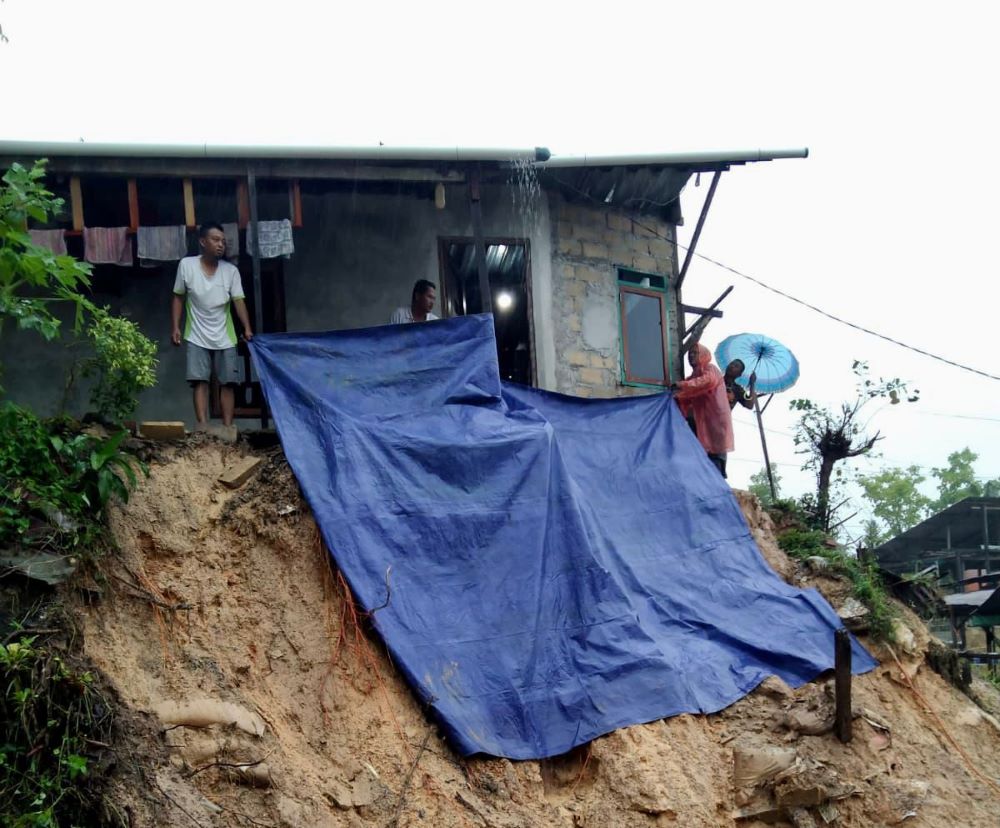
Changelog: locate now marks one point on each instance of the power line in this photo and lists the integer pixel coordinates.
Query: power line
(836, 318)
(958, 416)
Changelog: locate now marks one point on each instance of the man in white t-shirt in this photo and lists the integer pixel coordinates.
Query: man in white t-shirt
(206, 285)
(421, 304)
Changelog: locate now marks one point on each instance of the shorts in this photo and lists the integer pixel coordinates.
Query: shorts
(199, 364)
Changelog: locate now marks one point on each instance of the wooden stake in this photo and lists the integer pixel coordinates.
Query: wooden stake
(842, 683)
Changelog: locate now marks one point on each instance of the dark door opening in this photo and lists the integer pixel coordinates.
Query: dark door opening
(509, 267)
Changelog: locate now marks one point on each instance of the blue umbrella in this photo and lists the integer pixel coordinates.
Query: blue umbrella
(776, 367)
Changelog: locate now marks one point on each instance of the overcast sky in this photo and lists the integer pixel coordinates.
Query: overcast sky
(889, 223)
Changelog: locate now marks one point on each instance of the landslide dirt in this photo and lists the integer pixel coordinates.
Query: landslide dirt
(223, 603)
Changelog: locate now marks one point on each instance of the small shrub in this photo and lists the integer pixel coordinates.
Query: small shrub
(55, 483)
(864, 577)
(50, 715)
(124, 364)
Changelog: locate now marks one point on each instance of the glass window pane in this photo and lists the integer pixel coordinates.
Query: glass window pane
(643, 338)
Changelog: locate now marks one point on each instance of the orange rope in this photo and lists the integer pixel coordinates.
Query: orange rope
(351, 628)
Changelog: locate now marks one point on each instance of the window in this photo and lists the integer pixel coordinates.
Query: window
(645, 337)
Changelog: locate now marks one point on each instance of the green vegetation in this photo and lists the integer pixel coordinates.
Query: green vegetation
(51, 718)
(34, 282)
(55, 483)
(897, 503)
(802, 543)
(760, 487)
(895, 498)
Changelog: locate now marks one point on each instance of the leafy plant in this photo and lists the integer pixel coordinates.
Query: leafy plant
(34, 281)
(33, 278)
(760, 487)
(895, 497)
(123, 365)
(55, 482)
(958, 480)
(50, 716)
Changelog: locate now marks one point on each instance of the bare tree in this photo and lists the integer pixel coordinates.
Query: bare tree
(832, 436)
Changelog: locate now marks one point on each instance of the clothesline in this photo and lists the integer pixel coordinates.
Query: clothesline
(156, 244)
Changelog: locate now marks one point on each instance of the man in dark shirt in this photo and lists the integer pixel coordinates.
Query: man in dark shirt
(737, 393)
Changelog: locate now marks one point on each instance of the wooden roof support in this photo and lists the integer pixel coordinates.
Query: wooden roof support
(189, 216)
(243, 203)
(133, 205)
(295, 202)
(76, 202)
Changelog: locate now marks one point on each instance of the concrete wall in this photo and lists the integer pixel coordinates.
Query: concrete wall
(356, 260)
(590, 243)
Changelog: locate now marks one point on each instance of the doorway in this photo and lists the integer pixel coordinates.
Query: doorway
(509, 266)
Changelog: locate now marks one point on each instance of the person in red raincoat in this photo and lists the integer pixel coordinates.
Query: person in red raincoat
(703, 396)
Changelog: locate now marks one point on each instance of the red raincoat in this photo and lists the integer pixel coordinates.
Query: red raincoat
(704, 397)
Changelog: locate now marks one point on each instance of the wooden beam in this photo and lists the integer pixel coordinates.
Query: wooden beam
(76, 202)
(133, 205)
(189, 216)
(243, 203)
(295, 202)
(842, 684)
(715, 314)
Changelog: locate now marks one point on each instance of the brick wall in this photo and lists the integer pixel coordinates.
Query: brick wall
(589, 244)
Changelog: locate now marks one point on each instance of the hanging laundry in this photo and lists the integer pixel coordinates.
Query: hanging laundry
(54, 240)
(232, 231)
(275, 238)
(107, 245)
(161, 244)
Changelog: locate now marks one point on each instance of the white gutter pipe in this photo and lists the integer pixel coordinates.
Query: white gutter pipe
(55, 149)
(671, 158)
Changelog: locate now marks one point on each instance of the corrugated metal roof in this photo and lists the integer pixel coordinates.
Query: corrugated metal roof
(964, 521)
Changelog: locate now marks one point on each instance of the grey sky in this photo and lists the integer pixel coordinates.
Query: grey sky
(890, 222)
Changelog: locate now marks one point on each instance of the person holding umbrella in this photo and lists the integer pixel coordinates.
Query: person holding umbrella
(704, 397)
(736, 392)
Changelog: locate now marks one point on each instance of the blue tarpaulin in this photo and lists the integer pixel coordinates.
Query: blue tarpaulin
(559, 567)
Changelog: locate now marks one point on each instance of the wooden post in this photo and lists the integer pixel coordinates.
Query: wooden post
(189, 217)
(763, 443)
(76, 202)
(258, 300)
(842, 683)
(133, 205)
(243, 204)
(295, 202)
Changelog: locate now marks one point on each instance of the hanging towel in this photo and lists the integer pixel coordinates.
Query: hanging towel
(162, 244)
(232, 231)
(275, 239)
(54, 240)
(107, 245)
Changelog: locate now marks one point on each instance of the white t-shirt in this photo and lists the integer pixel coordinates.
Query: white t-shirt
(209, 322)
(402, 315)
